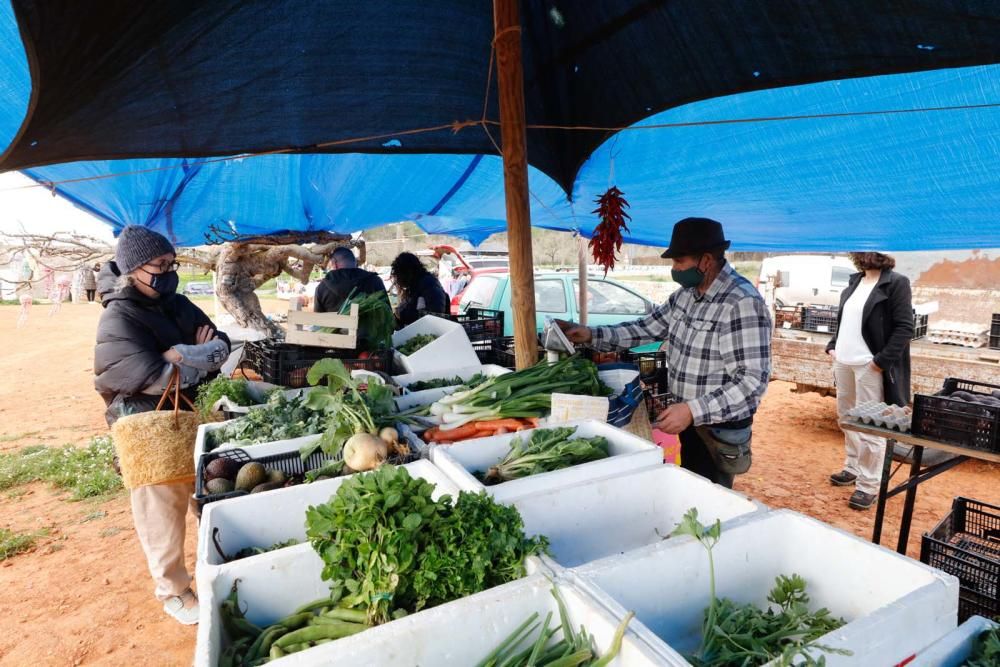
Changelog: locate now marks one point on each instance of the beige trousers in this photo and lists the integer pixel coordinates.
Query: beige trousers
(159, 512)
(865, 453)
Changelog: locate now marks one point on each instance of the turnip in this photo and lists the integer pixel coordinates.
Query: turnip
(364, 451)
(389, 434)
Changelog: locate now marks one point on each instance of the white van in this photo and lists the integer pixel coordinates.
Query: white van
(811, 280)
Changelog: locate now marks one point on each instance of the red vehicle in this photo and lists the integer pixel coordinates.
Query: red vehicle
(465, 267)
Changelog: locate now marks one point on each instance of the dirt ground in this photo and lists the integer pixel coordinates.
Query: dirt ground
(84, 597)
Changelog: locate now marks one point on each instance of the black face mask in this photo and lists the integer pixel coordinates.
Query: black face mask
(163, 284)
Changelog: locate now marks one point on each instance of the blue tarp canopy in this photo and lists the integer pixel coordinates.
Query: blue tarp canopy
(907, 160)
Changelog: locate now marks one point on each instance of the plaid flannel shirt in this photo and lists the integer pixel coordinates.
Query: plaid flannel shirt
(718, 346)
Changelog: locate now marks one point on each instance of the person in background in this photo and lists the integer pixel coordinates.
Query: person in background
(871, 362)
(145, 331)
(107, 280)
(89, 282)
(419, 291)
(344, 280)
(717, 330)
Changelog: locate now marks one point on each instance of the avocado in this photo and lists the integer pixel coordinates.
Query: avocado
(218, 485)
(221, 467)
(267, 486)
(249, 476)
(276, 476)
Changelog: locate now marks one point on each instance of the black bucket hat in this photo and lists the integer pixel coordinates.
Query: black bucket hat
(693, 236)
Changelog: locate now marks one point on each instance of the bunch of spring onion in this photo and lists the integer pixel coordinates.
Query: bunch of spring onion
(521, 394)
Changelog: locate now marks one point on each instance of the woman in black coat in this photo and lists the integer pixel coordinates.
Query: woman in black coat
(145, 331)
(419, 290)
(871, 353)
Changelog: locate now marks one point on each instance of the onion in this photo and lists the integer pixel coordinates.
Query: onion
(364, 451)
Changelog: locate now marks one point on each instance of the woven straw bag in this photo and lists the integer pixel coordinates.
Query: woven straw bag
(157, 447)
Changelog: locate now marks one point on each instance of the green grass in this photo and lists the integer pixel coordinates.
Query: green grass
(85, 472)
(13, 543)
(11, 437)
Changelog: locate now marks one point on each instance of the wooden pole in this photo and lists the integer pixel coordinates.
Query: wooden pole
(513, 139)
(582, 252)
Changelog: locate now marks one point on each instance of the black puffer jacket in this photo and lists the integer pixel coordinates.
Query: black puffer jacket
(337, 285)
(430, 297)
(132, 335)
(887, 327)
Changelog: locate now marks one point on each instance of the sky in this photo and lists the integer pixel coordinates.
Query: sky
(37, 211)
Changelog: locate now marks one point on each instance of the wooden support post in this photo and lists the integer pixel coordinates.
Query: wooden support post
(513, 139)
(584, 260)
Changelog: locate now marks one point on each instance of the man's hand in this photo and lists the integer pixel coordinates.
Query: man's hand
(873, 366)
(833, 354)
(204, 334)
(574, 332)
(172, 356)
(674, 419)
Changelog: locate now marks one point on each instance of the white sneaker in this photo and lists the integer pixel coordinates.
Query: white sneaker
(184, 615)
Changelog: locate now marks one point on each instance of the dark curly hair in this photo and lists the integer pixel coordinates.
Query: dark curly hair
(406, 272)
(872, 260)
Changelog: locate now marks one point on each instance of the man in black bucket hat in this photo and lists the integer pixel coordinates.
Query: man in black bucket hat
(716, 331)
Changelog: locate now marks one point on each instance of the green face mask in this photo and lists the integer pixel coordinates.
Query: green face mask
(688, 277)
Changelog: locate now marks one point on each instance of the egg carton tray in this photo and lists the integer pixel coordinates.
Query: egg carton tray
(873, 412)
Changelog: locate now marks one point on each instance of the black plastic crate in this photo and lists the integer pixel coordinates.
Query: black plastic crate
(995, 325)
(919, 326)
(479, 323)
(657, 401)
(995, 342)
(819, 319)
(957, 422)
(613, 357)
(966, 544)
(286, 364)
(290, 463)
(652, 365)
(503, 352)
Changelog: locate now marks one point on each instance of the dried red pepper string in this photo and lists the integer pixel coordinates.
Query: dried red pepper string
(607, 239)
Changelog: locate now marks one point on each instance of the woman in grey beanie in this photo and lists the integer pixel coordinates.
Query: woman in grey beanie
(146, 330)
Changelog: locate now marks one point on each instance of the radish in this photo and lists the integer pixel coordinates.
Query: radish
(364, 451)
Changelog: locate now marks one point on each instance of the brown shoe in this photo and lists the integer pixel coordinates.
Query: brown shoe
(843, 478)
(861, 500)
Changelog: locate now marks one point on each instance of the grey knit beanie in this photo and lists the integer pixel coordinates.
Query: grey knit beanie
(137, 245)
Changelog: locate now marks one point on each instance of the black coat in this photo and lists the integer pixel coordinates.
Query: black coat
(337, 285)
(132, 335)
(887, 327)
(435, 300)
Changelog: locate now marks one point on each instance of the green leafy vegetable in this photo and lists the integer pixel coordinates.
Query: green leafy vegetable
(739, 635)
(546, 450)
(416, 343)
(236, 391)
(456, 381)
(985, 650)
(281, 418)
(387, 545)
(375, 320)
(254, 551)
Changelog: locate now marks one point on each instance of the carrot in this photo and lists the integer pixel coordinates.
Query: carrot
(494, 424)
(532, 421)
(461, 433)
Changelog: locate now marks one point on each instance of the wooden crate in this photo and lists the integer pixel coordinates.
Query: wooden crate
(298, 333)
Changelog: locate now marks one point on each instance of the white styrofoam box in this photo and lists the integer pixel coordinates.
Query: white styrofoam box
(258, 450)
(598, 518)
(954, 648)
(460, 460)
(272, 585)
(465, 631)
(259, 520)
(894, 606)
(427, 396)
(452, 348)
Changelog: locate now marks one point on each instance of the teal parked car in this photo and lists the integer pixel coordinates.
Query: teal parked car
(557, 296)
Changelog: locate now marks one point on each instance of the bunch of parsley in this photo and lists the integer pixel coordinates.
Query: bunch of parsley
(391, 549)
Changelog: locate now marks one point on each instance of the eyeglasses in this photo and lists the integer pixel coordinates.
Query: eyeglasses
(164, 267)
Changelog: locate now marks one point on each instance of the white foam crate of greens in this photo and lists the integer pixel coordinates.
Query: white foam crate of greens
(460, 460)
(414, 399)
(597, 518)
(954, 648)
(256, 451)
(259, 520)
(894, 606)
(465, 631)
(272, 586)
(451, 349)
